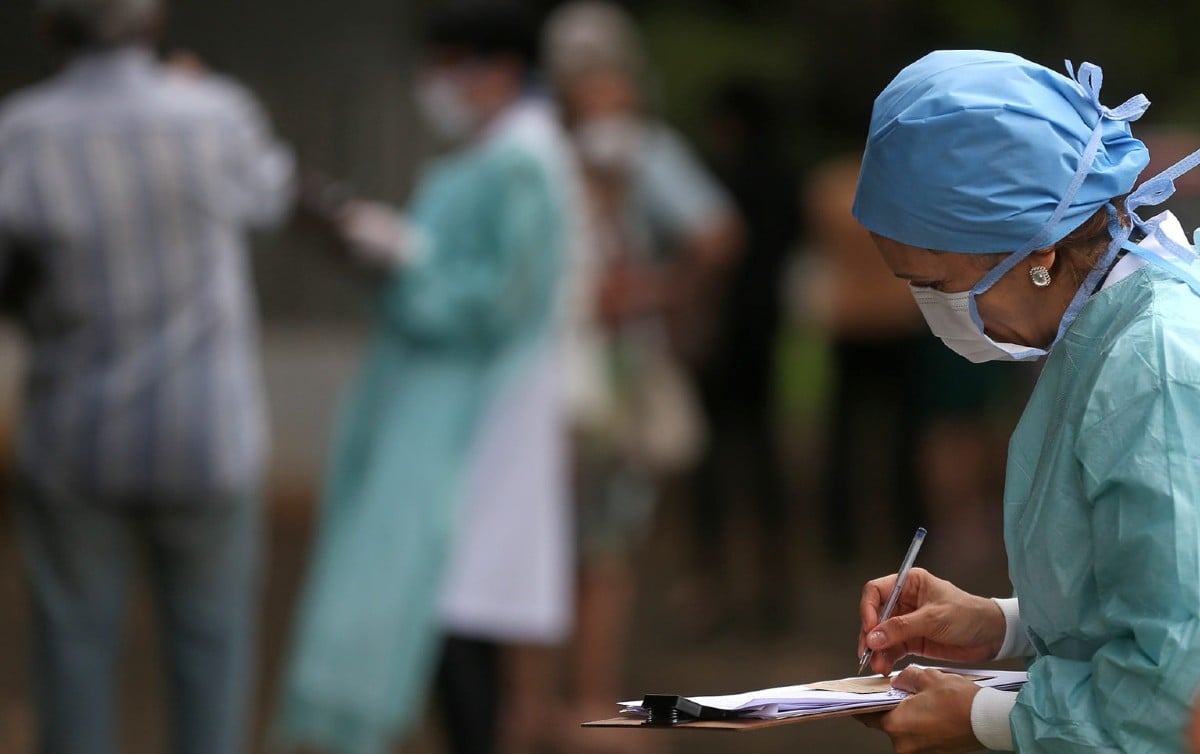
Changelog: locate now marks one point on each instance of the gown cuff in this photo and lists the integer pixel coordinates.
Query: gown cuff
(990, 711)
(1016, 640)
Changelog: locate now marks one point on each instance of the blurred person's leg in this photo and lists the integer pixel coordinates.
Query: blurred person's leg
(708, 500)
(606, 592)
(467, 692)
(710, 496)
(205, 565)
(78, 557)
(954, 465)
(901, 364)
(615, 503)
(776, 538)
(529, 698)
(879, 376)
(750, 394)
(961, 458)
(607, 589)
(841, 464)
(962, 461)
(739, 477)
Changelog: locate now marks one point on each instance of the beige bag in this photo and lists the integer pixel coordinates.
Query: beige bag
(668, 429)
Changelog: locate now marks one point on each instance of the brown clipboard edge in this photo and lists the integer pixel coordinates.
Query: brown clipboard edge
(739, 725)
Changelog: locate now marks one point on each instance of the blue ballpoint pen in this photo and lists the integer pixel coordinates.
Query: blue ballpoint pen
(901, 576)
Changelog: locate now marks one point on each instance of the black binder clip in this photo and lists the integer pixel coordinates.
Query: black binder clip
(668, 709)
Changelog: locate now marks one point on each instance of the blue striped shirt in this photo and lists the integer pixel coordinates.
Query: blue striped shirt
(130, 189)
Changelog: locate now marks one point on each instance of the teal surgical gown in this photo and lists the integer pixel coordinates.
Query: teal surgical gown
(452, 327)
(1102, 525)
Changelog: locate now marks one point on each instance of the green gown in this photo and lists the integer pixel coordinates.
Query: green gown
(452, 327)
(1102, 525)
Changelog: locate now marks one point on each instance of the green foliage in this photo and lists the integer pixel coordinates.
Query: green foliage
(803, 374)
(693, 52)
(804, 49)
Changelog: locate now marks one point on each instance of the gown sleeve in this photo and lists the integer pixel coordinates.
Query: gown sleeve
(491, 250)
(1139, 460)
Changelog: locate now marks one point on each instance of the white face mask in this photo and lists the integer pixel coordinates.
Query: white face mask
(949, 317)
(610, 143)
(444, 107)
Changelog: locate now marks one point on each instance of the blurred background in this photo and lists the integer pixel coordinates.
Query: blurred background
(820, 454)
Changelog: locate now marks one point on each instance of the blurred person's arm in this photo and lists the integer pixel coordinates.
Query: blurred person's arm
(374, 234)
(851, 293)
(379, 236)
(699, 230)
(261, 168)
(686, 205)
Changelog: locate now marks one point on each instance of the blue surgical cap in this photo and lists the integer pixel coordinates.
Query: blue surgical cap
(973, 151)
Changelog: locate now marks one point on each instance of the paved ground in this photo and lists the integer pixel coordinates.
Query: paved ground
(664, 655)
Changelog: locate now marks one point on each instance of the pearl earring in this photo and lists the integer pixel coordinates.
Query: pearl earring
(1040, 276)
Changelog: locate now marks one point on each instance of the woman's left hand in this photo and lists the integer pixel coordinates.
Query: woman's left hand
(935, 720)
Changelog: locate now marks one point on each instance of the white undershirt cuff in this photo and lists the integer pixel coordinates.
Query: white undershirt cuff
(990, 711)
(1016, 639)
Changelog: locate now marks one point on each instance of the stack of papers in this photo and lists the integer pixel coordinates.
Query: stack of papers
(823, 697)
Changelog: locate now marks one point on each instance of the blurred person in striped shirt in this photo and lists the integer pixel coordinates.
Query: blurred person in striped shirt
(126, 192)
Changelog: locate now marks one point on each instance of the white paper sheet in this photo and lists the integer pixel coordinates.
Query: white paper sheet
(787, 701)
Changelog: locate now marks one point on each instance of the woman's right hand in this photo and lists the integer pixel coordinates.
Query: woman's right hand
(933, 618)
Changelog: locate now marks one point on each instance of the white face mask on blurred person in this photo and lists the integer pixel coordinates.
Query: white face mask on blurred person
(611, 142)
(443, 106)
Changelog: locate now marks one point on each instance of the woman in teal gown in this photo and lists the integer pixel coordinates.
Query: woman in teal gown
(1007, 196)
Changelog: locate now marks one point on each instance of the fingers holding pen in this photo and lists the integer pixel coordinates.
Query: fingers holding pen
(903, 635)
(932, 618)
(874, 595)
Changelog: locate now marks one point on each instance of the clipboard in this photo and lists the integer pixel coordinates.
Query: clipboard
(685, 721)
(671, 712)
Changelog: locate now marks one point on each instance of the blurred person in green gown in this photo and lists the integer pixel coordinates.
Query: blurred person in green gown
(445, 526)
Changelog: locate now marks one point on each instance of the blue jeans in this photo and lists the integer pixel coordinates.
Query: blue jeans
(203, 559)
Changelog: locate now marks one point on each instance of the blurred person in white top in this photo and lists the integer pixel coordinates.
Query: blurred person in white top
(660, 234)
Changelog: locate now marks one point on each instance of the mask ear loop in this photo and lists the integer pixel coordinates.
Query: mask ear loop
(1088, 81)
(1153, 192)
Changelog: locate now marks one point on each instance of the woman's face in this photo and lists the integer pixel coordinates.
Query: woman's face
(600, 94)
(1013, 310)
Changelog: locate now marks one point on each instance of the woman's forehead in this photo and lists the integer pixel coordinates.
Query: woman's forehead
(909, 261)
(923, 264)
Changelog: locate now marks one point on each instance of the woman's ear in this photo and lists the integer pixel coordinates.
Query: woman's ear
(1044, 258)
